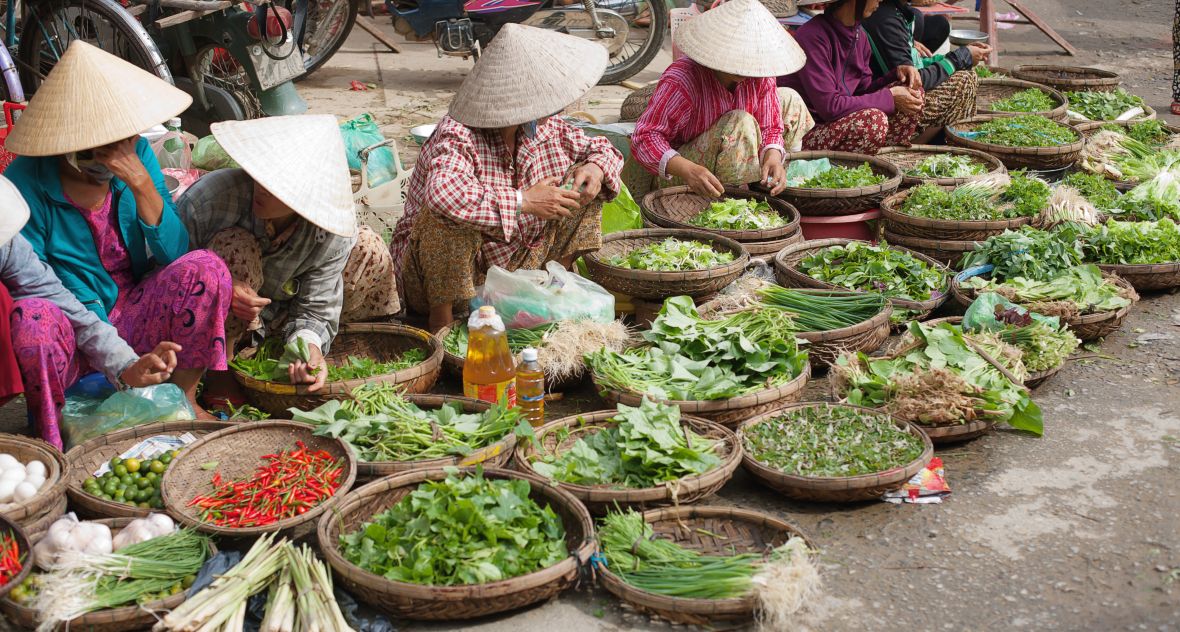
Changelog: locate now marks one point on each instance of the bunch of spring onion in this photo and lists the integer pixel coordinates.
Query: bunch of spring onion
(1118, 156)
(823, 310)
(1042, 347)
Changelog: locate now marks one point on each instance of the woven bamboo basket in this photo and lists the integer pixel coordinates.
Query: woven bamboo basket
(712, 530)
(675, 207)
(1069, 78)
(789, 276)
(1034, 378)
(121, 619)
(49, 516)
(1037, 158)
(84, 459)
(24, 548)
(1088, 129)
(1086, 327)
(454, 364)
(451, 603)
(600, 499)
(839, 489)
(823, 347)
(1146, 277)
(946, 252)
(651, 284)
(238, 452)
(636, 102)
(57, 470)
(909, 157)
(895, 221)
(999, 70)
(1149, 114)
(765, 251)
(382, 342)
(820, 202)
(992, 90)
(727, 412)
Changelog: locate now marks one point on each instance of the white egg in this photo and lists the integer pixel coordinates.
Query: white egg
(13, 474)
(36, 468)
(6, 490)
(7, 461)
(24, 491)
(36, 481)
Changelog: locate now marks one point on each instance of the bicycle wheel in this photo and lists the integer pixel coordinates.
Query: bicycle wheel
(51, 25)
(643, 41)
(328, 24)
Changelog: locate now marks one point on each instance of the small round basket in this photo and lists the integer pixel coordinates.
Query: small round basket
(727, 412)
(382, 342)
(656, 285)
(823, 347)
(560, 435)
(454, 364)
(824, 202)
(88, 457)
(1045, 158)
(121, 619)
(1146, 277)
(712, 530)
(840, 489)
(417, 601)
(788, 275)
(1089, 128)
(1069, 78)
(992, 90)
(48, 517)
(24, 548)
(765, 251)
(675, 207)
(238, 452)
(57, 470)
(945, 252)
(906, 158)
(898, 223)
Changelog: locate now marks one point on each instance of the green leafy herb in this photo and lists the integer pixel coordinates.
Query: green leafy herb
(983, 72)
(1081, 285)
(1098, 190)
(1023, 131)
(355, 367)
(823, 310)
(1031, 100)
(672, 254)
(1023, 196)
(861, 266)
(1155, 199)
(738, 214)
(1102, 106)
(455, 342)
(1133, 242)
(1027, 253)
(246, 412)
(1042, 347)
(840, 177)
(271, 360)
(947, 166)
(1150, 132)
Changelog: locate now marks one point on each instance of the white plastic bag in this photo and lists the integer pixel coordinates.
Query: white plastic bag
(527, 298)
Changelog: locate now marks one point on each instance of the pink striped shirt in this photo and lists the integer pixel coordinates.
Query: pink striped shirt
(689, 100)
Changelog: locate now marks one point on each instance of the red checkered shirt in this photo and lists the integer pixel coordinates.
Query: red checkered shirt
(688, 101)
(466, 175)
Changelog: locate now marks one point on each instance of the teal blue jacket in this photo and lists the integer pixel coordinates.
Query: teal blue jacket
(60, 236)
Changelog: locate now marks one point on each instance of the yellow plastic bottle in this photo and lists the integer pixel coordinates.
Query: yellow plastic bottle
(530, 387)
(489, 373)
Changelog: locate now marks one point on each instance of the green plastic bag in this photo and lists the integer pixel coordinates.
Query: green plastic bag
(362, 132)
(981, 315)
(209, 156)
(799, 171)
(86, 417)
(621, 213)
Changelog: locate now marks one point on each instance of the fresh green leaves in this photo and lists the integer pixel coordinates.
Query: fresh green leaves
(1098, 190)
(1023, 131)
(840, 177)
(983, 72)
(1023, 196)
(672, 254)
(1133, 242)
(356, 367)
(463, 530)
(947, 166)
(271, 360)
(1102, 106)
(1082, 285)
(455, 342)
(1150, 132)
(1031, 100)
(862, 266)
(1027, 253)
(738, 214)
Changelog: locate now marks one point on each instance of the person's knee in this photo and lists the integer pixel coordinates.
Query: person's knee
(34, 321)
(233, 237)
(875, 126)
(740, 121)
(788, 98)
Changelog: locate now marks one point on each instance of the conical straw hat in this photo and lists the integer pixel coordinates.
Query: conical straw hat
(527, 73)
(14, 211)
(301, 160)
(740, 38)
(92, 98)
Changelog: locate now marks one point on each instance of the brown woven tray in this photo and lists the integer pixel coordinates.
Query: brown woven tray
(454, 364)
(823, 347)
(833, 489)
(89, 456)
(992, 90)
(674, 207)
(765, 251)
(821, 202)
(600, 499)
(893, 220)
(42, 521)
(945, 252)
(121, 619)
(25, 449)
(650, 284)
(712, 530)
(1069, 78)
(451, 603)
(1146, 277)
(788, 276)
(727, 412)
(24, 548)
(1036, 158)
(909, 157)
(382, 342)
(237, 452)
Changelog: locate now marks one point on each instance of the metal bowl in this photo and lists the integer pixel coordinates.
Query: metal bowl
(963, 37)
(422, 132)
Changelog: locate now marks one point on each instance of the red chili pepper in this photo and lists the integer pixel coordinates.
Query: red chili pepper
(284, 485)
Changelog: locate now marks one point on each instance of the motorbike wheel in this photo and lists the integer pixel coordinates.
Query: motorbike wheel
(643, 53)
(328, 24)
(216, 67)
(223, 106)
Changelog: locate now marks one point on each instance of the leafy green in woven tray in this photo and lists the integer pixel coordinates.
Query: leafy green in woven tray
(1022, 131)
(1023, 196)
(1103, 106)
(1151, 133)
(983, 72)
(862, 266)
(271, 359)
(738, 214)
(1133, 242)
(947, 166)
(840, 177)
(1031, 100)
(1100, 191)
(1081, 285)
(1028, 253)
(672, 254)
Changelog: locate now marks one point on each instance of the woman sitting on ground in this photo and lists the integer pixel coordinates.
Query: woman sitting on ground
(102, 218)
(853, 110)
(949, 80)
(716, 117)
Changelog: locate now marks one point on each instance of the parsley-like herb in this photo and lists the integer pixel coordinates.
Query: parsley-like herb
(1024, 131)
(1102, 106)
(1031, 100)
(840, 177)
(738, 214)
(672, 255)
(946, 166)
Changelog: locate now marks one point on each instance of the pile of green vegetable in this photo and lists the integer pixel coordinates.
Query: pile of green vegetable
(1100, 191)
(131, 482)
(1102, 106)
(982, 200)
(823, 310)
(1150, 132)
(840, 177)
(1022, 131)
(1133, 242)
(672, 255)
(1043, 342)
(643, 447)
(1155, 199)
(689, 358)
(465, 529)
(1118, 155)
(272, 359)
(983, 72)
(739, 214)
(947, 166)
(831, 441)
(455, 342)
(1082, 287)
(1031, 100)
(381, 425)
(862, 266)
(1027, 252)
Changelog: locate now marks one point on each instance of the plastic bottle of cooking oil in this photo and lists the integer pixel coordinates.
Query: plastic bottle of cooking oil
(530, 387)
(490, 370)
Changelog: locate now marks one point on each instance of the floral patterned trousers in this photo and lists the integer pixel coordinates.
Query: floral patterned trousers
(863, 132)
(953, 100)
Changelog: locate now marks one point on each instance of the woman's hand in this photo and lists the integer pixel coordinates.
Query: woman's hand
(547, 200)
(698, 178)
(909, 77)
(152, 368)
(246, 304)
(313, 372)
(123, 161)
(905, 100)
(922, 50)
(588, 182)
(979, 52)
(774, 175)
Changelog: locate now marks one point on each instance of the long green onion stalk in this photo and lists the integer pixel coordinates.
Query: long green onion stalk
(823, 310)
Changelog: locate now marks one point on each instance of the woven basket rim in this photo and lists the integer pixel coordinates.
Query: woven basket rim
(652, 207)
(178, 507)
(51, 490)
(740, 256)
(995, 165)
(891, 210)
(24, 548)
(948, 245)
(966, 296)
(1036, 72)
(1085, 127)
(1001, 150)
(877, 164)
(714, 405)
(1058, 111)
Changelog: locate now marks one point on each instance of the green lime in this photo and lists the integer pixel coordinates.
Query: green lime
(153, 477)
(119, 494)
(166, 458)
(116, 461)
(126, 480)
(132, 465)
(143, 505)
(144, 483)
(120, 470)
(157, 467)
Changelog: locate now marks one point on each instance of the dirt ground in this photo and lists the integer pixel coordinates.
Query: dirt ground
(1077, 530)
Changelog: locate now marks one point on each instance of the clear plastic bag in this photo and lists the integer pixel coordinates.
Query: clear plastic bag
(981, 315)
(799, 171)
(208, 155)
(527, 298)
(84, 418)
